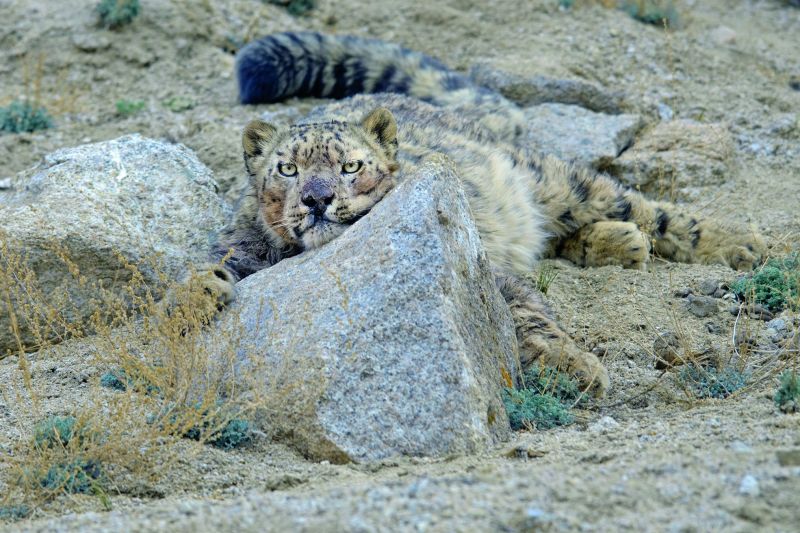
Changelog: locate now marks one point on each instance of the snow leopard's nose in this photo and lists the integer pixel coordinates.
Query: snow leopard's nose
(317, 195)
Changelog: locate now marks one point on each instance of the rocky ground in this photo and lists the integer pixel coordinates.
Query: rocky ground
(711, 113)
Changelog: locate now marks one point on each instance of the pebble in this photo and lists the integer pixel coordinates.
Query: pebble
(749, 486)
(702, 306)
(683, 292)
(5, 183)
(604, 425)
(740, 447)
(88, 42)
(665, 112)
(709, 286)
(723, 35)
(778, 324)
(665, 347)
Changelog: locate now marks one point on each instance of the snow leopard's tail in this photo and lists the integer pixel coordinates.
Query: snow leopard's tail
(311, 64)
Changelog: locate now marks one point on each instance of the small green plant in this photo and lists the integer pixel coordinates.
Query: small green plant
(21, 116)
(55, 431)
(126, 108)
(544, 401)
(656, 12)
(774, 285)
(546, 276)
(233, 434)
(712, 382)
(117, 13)
(549, 381)
(114, 379)
(179, 103)
(527, 409)
(787, 397)
(296, 7)
(13, 513)
(77, 476)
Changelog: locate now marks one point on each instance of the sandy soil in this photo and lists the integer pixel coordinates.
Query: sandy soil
(664, 462)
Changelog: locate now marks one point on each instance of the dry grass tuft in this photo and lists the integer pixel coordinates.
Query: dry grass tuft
(175, 384)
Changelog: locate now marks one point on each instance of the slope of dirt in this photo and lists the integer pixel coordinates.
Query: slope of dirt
(661, 461)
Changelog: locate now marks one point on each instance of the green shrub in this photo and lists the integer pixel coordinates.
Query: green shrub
(77, 476)
(55, 431)
(14, 512)
(527, 408)
(656, 12)
(236, 432)
(296, 7)
(549, 381)
(114, 379)
(21, 116)
(179, 103)
(117, 13)
(712, 382)
(774, 285)
(787, 397)
(126, 108)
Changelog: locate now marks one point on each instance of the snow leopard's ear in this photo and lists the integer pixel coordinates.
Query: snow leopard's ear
(257, 137)
(381, 124)
(256, 140)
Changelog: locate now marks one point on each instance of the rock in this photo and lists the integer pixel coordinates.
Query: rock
(666, 349)
(575, 134)
(723, 35)
(788, 457)
(90, 42)
(533, 90)
(604, 425)
(682, 292)
(702, 306)
(778, 324)
(676, 155)
(5, 183)
(139, 197)
(749, 486)
(390, 340)
(709, 286)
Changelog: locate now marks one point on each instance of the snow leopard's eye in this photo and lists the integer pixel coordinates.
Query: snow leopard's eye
(287, 169)
(351, 167)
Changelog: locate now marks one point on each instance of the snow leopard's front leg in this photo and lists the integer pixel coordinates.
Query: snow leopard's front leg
(542, 340)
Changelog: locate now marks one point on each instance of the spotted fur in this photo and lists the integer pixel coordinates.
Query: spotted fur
(312, 180)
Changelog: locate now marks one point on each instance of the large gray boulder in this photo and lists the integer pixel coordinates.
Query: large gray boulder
(674, 158)
(390, 340)
(148, 201)
(573, 133)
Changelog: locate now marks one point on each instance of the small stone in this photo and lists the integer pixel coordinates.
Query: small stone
(759, 311)
(788, 457)
(665, 112)
(749, 486)
(714, 328)
(702, 306)
(778, 324)
(604, 425)
(740, 447)
(719, 293)
(5, 183)
(90, 42)
(723, 35)
(734, 309)
(708, 286)
(665, 347)
(683, 292)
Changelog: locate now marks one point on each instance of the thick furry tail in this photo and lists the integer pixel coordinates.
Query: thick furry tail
(315, 65)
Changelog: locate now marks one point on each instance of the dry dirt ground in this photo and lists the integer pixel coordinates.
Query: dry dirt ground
(648, 457)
